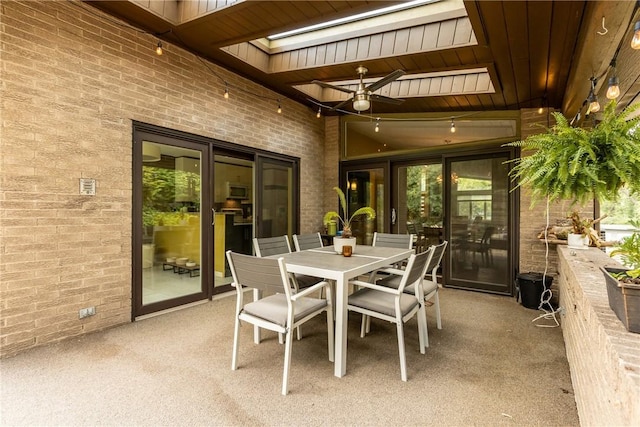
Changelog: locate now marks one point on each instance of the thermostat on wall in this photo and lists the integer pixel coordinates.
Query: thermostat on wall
(87, 187)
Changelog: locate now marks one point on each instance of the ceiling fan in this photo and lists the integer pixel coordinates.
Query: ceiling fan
(362, 97)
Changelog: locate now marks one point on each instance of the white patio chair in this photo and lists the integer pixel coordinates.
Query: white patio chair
(428, 289)
(394, 305)
(268, 246)
(307, 241)
(283, 311)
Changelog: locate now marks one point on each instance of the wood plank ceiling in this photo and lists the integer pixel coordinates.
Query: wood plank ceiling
(469, 56)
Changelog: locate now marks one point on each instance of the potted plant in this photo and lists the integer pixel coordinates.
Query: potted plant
(579, 164)
(347, 237)
(623, 285)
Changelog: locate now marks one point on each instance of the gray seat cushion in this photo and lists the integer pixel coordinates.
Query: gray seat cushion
(274, 308)
(393, 281)
(381, 302)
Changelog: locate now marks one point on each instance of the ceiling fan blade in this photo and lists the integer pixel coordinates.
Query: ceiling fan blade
(328, 86)
(343, 103)
(386, 99)
(385, 80)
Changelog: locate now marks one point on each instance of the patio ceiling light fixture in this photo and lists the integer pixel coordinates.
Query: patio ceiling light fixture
(159, 49)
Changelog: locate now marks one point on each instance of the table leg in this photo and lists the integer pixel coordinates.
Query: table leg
(340, 364)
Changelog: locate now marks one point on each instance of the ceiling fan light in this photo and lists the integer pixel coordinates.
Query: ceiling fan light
(361, 102)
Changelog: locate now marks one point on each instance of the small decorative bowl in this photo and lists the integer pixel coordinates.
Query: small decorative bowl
(190, 264)
(181, 261)
(172, 259)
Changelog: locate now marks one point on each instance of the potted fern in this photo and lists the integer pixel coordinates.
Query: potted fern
(623, 284)
(579, 164)
(347, 237)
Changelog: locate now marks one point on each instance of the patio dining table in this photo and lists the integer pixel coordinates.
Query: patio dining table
(326, 263)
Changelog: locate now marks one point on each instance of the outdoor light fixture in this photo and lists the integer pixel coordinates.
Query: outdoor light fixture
(159, 49)
(319, 113)
(635, 41)
(594, 105)
(377, 128)
(226, 93)
(279, 107)
(614, 88)
(452, 129)
(361, 102)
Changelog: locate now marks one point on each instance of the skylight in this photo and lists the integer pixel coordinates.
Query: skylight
(352, 18)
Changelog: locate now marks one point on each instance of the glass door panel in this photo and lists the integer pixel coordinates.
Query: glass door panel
(171, 182)
(478, 224)
(419, 200)
(277, 198)
(232, 212)
(366, 188)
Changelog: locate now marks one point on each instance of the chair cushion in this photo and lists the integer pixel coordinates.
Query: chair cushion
(274, 308)
(381, 302)
(393, 281)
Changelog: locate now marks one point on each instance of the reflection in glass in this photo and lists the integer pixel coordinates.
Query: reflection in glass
(479, 223)
(277, 199)
(420, 201)
(171, 194)
(366, 188)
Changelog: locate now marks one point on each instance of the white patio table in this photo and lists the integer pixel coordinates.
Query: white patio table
(326, 263)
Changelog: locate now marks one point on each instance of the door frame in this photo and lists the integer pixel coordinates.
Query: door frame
(142, 131)
(209, 147)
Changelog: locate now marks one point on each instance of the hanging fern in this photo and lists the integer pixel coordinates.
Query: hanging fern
(581, 164)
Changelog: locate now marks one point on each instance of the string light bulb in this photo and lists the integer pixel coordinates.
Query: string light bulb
(613, 91)
(594, 105)
(614, 88)
(226, 92)
(279, 107)
(452, 129)
(159, 50)
(635, 41)
(377, 128)
(319, 113)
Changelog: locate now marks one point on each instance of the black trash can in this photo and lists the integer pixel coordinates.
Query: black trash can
(531, 288)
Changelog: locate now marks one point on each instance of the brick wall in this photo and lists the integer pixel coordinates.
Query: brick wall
(72, 82)
(604, 357)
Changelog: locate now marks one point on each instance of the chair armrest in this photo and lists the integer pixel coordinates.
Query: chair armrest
(309, 290)
(395, 271)
(374, 286)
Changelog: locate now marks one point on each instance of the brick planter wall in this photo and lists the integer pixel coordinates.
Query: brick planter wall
(604, 357)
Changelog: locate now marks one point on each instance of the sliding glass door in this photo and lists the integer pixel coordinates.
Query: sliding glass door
(478, 225)
(233, 201)
(170, 204)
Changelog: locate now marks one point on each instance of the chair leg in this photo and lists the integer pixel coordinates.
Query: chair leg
(256, 329)
(236, 338)
(287, 361)
(436, 301)
(422, 329)
(403, 359)
(363, 326)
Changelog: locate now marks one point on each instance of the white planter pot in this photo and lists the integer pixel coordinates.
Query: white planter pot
(339, 242)
(577, 241)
